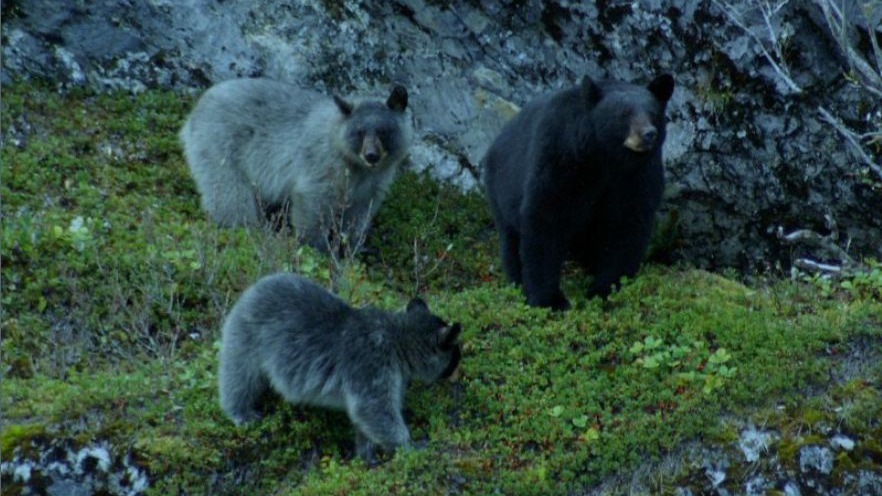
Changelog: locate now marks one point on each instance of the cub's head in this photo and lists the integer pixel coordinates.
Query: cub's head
(375, 134)
(628, 117)
(429, 345)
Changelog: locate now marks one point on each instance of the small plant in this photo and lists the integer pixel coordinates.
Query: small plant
(865, 283)
(689, 363)
(861, 282)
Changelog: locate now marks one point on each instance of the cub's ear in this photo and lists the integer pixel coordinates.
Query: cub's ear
(662, 87)
(397, 100)
(447, 336)
(590, 90)
(417, 304)
(343, 105)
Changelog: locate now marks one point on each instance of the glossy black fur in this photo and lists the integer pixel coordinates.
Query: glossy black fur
(561, 185)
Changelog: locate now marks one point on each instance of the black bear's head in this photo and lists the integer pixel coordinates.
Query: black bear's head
(374, 131)
(629, 117)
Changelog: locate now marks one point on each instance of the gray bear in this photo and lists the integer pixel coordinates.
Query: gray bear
(312, 348)
(256, 146)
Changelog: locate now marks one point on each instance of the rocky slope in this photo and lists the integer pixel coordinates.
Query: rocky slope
(748, 149)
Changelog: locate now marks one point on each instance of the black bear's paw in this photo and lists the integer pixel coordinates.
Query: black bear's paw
(556, 302)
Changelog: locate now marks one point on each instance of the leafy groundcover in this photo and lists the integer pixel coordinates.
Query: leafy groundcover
(114, 286)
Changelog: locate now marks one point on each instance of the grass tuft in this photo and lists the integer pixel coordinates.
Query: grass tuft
(115, 286)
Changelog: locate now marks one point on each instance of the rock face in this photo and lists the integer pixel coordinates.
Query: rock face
(57, 469)
(746, 152)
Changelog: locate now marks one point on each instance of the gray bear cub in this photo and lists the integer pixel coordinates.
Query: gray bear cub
(312, 348)
(256, 146)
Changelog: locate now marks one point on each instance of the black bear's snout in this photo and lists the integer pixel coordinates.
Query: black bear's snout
(649, 137)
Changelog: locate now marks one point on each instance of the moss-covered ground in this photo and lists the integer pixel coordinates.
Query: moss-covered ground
(114, 286)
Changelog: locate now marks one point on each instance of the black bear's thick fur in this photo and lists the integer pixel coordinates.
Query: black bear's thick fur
(578, 174)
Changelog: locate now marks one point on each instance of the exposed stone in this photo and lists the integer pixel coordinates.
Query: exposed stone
(744, 155)
(753, 443)
(842, 442)
(62, 470)
(815, 458)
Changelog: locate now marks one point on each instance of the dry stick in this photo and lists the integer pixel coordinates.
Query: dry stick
(871, 78)
(731, 13)
(812, 266)
(768, 12)
(416, 262)
(876, 50)
(852, 139)
(824, 242)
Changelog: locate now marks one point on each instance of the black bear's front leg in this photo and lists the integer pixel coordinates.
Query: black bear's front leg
(543, 248)
(509, 249)
(622, 230)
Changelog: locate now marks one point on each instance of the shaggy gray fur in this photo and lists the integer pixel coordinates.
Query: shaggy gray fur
(312, 348)
(256, 146)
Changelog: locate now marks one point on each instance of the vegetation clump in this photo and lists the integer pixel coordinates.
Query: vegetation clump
(115, 286)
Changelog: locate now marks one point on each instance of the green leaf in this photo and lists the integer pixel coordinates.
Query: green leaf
(719, 356)
(590, 435)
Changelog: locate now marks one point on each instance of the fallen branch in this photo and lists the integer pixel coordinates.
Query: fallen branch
(827, 243)
(810, 265)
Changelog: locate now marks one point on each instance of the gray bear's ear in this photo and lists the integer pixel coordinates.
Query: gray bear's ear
(662, 87)
(591, 90)
(344, 107)
(417, 304)
(447, 336)
(397, 100)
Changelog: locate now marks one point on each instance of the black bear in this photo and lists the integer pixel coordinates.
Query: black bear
(578, 174)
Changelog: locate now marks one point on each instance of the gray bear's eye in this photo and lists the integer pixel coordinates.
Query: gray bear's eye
(385, 136)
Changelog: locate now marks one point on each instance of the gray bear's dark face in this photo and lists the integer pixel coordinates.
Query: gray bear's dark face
(630, 117)
(374, 130)
(439, 341)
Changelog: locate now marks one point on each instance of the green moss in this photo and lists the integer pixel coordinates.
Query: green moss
(17, 436)
(431, 235)
(788, 449)
(115, 287)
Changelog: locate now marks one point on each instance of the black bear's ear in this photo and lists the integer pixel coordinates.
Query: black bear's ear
(417, 304)
(345, 107)
(397, 100)
(662, 87)
(591, 90)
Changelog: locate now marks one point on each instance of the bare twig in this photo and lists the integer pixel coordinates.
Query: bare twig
(418, 273)
(809, 265)
(869, 77)
(853, 139)
(768, 11)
